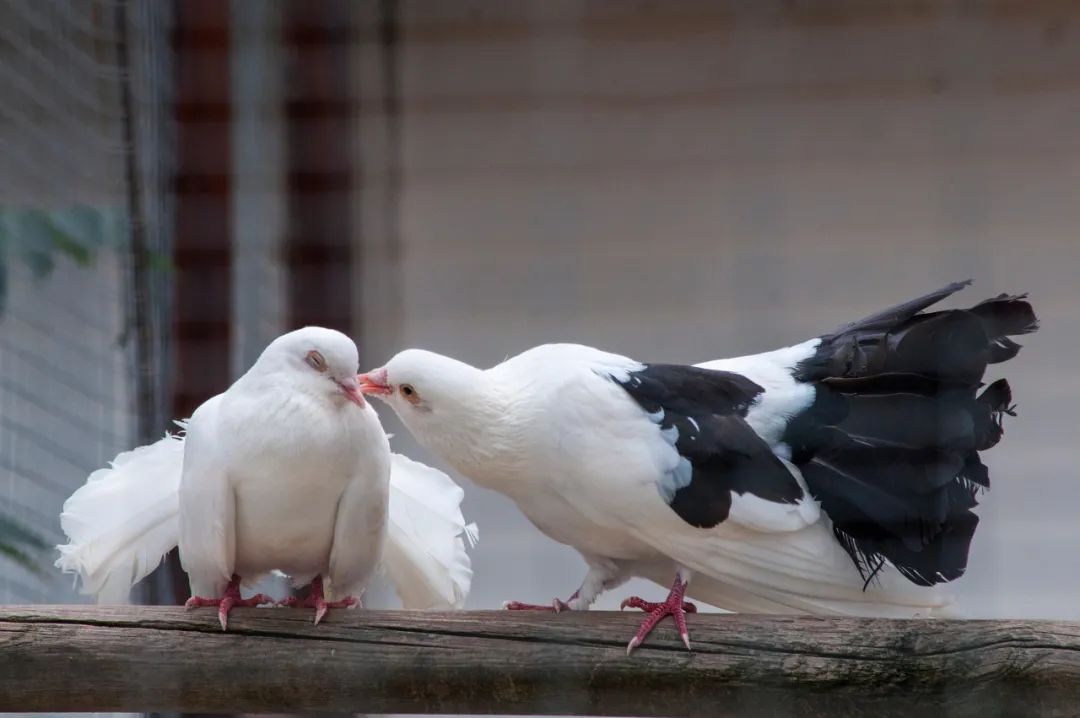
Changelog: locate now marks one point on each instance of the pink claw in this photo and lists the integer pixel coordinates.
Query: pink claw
(228, 601)
(557, 605)
(673, 606)
(316, 600)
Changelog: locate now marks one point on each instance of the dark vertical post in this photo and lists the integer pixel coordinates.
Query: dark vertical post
(389, 36)
(202, 249)
(390, 50)
(147, 410)
(320, 116)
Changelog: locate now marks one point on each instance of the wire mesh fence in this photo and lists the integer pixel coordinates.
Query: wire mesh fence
(67, 386)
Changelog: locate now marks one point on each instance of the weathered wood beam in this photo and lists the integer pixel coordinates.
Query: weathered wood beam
(162, 658)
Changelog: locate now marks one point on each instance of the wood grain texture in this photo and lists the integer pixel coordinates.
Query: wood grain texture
(67, 658)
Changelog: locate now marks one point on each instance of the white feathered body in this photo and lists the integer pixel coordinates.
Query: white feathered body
(297, 469)
(292, 478)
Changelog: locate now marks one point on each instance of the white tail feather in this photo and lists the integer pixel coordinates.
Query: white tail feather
(804, 571)
(425, 555)
(123, 520)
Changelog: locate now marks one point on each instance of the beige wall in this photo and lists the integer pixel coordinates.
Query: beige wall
(682, 181)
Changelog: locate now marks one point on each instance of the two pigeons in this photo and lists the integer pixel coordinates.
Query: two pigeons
(835, 476)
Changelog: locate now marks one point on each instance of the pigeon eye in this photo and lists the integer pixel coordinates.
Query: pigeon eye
(409, 393)
(316, 361)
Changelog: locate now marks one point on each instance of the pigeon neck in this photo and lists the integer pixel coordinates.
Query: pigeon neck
(480, 440)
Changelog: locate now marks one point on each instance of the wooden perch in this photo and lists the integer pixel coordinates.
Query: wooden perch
(75, 658)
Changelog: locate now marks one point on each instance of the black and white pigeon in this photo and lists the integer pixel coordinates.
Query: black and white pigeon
(835, 476)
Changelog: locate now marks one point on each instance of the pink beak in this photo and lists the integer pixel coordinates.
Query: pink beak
(351, 390)
(374, 382)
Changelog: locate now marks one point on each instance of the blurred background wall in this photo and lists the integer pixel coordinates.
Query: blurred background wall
(675, 181)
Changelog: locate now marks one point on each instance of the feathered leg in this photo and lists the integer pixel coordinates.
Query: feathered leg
(602, 576)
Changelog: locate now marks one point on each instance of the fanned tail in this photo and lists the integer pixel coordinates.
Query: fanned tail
(123, 520)
(425, 554)
(891, 444)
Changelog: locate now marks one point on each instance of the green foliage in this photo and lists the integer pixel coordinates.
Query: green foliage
(39, 238)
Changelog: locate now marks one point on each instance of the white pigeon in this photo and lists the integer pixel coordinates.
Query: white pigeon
(836, 476)
(288, 470)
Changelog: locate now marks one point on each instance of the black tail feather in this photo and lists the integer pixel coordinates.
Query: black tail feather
(891, 383)
(890, 445)
(1003, 316)
(1006, 315)
(901, 312)
(996, 401)
(911, 420)
(974, 474)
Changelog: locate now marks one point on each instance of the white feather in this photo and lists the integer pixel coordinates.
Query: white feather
(805, 571)
(783, 397)
(425, 553)
(123, 521)
(755, 513)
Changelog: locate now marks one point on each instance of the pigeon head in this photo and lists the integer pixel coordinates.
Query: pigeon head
(419, 381)
(316, 360)
(433, 394)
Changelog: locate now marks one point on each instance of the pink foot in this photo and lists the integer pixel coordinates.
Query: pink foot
(231, 599)
(316, 600)
(673, 606)
(557, 605)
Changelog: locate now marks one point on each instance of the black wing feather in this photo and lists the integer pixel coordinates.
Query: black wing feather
(708, 409)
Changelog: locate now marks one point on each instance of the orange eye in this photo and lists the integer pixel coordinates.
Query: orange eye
(316, 361)
(409, 393)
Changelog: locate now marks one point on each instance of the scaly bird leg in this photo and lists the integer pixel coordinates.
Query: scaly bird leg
(229, 600)
(602, 576)
(557, 605)
(673, 606)
(316, 600)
